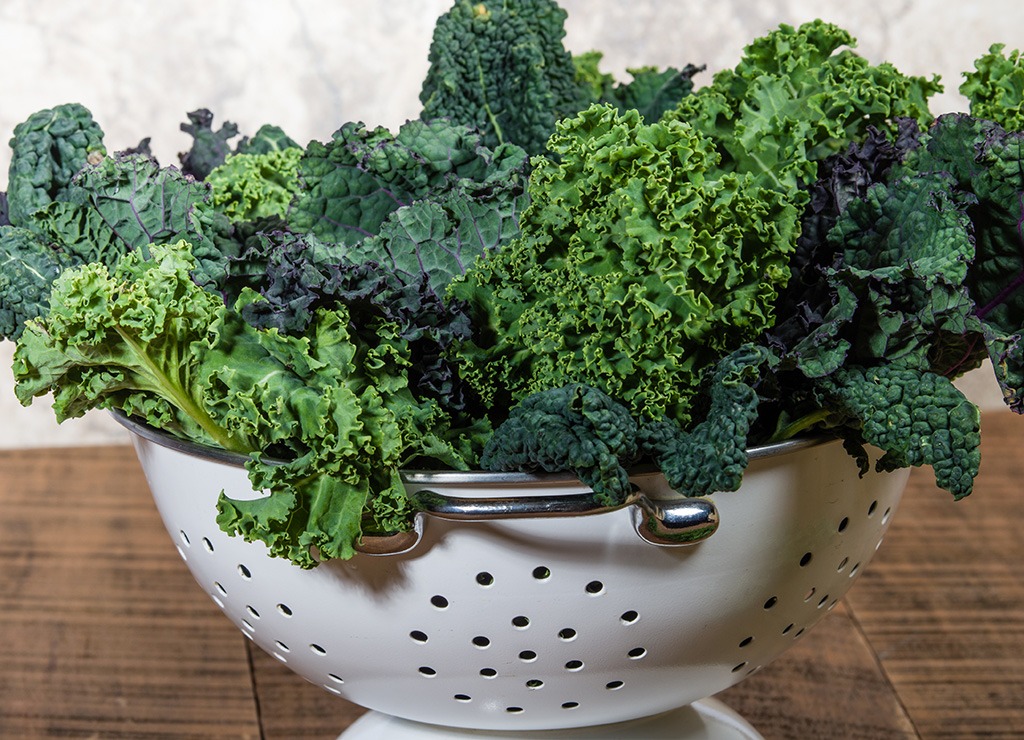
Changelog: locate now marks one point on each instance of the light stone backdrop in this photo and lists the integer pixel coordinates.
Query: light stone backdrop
(310, 65)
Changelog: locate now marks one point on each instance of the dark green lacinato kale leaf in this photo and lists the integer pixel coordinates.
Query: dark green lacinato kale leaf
(47, 150)
(573, 428)
(209, 146)
(501, 68)
(995, 88)
(352, 184)
(28, 267)
(914, 417)
(711, 455)
(798, 96)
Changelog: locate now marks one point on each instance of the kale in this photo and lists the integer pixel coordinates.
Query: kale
(28, 266)
(572, 428)
(209, 147)
(47, 151)
(640, 264)
(501, 68)
(995, 88)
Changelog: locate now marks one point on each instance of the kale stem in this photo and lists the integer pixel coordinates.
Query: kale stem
(799, 425)
(177, 395)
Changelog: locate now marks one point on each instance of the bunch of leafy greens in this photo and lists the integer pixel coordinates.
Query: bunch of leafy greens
(675, 274)
(145, 340)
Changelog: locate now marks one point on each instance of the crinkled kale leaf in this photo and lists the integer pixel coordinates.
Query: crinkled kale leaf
(47, 151)
(995, 88)
(572, 428)
(640, 263)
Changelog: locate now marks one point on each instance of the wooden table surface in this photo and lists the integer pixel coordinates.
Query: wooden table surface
(103, 633)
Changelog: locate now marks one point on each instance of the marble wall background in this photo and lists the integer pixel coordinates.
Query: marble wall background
(309, 65)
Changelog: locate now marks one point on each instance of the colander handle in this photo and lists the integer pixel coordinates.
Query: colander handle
(664, 522)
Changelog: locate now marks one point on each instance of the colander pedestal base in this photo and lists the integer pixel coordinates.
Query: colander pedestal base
(707, 719)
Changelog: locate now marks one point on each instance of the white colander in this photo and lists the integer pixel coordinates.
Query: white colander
(512, 625)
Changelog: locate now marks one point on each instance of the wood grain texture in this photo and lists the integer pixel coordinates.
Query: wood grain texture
(103, 633)
(943, 602)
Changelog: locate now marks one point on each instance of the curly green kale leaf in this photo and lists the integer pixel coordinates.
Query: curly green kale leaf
(796, 97)
(47, 150)
(640, 264)
(132, 338)
(501, 68)
(28, 266)
(574, 428)
(711, 455)
(914, 417)
(247, 187)
(995, 88)
(352, 183)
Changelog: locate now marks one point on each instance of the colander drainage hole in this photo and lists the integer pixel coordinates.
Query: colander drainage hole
(427, 671)
(527, 656)
(746, 641)
(207, 544)
(337, 679)
(284, 610)
(488, 672)
(514, 710)
(484, 578)
(637, 653)
(574, 665)
(842, 564)
(521, 622)
(740, 667)
(534, 683)
(595, 587)
(844, 523)
(439, 601)
(244, 572)
(463, 698)
(810, 594)
(282, 647)
(570, 704)
(568, 634)
(252, 612)
(629, 617)
(316, 649)
(481, 642)
(806, 559)
(418, 636)
(184, 538)
(541, 573)
(772, 601)
(220, 589)
(872, 508)
(788, 628)
(614, 685)
(824, 600)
